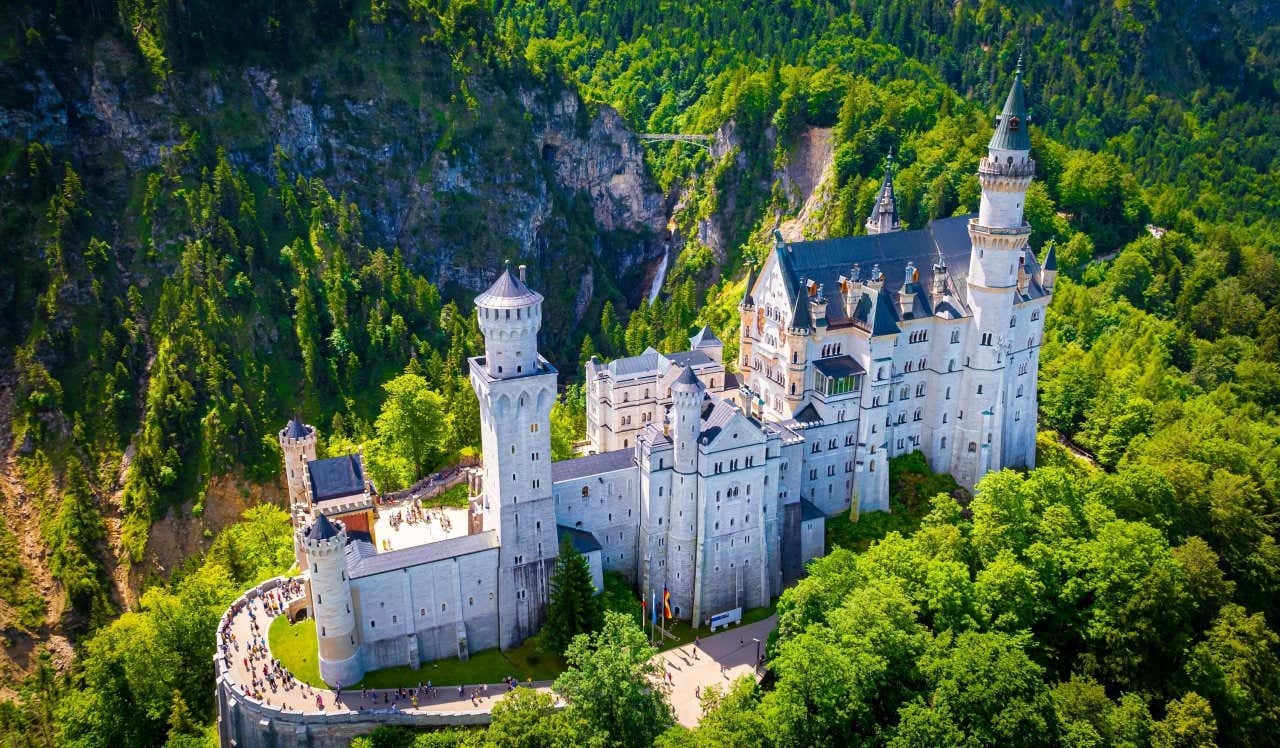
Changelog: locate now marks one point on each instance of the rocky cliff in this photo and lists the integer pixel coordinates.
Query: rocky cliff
(458, 174)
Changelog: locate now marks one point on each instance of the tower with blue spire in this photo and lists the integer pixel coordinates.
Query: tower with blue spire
(884, 214)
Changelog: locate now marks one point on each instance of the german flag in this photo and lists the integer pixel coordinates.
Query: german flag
(666, 602)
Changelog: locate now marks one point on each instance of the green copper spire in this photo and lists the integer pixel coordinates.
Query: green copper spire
(1013, 125)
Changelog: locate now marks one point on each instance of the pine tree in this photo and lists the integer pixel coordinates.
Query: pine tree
(587, 351)
(573, 608)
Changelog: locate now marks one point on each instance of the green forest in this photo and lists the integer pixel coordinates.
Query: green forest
(165, 316)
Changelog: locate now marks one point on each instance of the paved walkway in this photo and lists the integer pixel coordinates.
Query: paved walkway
(718, 660)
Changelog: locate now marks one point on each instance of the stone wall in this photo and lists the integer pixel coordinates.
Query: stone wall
(244, 721)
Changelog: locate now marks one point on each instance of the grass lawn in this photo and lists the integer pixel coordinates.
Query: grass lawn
(295, 646)
(454, 497)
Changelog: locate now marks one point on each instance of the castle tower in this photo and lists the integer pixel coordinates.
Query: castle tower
(324, 542)
(884, 213)
(683, 532)
(516, 388)
(998, 238)
(298, 443)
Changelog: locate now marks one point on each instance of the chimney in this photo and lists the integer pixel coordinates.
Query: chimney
(521, 271)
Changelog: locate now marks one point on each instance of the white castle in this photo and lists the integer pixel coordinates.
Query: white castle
(705, 483)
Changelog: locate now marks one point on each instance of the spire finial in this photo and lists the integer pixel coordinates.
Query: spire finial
(506, 263)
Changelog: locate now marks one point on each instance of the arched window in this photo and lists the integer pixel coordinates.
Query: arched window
(1013, 321)
(586, 490)
(943, 443)
(973, 446)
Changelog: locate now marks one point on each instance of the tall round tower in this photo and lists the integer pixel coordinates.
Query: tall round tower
(325, 542)
(516, 390)
(298, 443)
(510, 314)
(997, 258)
(682, 518)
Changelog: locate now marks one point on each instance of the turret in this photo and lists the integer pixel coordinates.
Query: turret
(510, 315)
(999, 233)
(1049, 270)
(884, 213)
(707, 342)
(907, 294)
(298, 444)
(686, 414)
(324, 542)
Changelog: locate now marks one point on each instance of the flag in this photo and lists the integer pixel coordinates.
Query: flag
(666, 602)
(654, 607)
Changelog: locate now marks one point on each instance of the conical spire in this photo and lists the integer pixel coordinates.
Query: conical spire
(747, 299)
(884, 213)
(1013, 125)
(1051, 258)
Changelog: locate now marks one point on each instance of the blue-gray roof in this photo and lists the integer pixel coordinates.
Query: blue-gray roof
(597, 464)
(810, 511)
(296, 429)
(825, 260)
(364, 561)
(839, 366)
(336, 477)
(705, 337)
(582, 541)
(321, 528)
(689, 358)
(508, 291)
(1013, 126)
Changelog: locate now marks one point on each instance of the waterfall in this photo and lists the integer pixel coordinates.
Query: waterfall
(661, 275)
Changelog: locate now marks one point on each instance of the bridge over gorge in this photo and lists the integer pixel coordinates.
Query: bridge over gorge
(702, 141)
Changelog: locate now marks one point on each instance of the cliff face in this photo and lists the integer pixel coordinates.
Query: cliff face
(521, 170)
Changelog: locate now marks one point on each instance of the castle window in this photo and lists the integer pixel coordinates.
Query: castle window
(871, 466)
(315, 568)
(1019, 391)
(919, 414)
(533, 428)
(1035, 315)
(373, 624)
(394, 619)
(979, 389)
(942, 444)
(471, 601)
(444, 607)
(490, 595)
(920, 390)
(973, 446)
(955, 336)
(944, 417)
(422, 612)
(1013, 321)
(323, 631)
(986, 338)
(319, 600)
(951, 365)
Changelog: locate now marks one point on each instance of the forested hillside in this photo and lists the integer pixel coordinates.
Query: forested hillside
(212, 219)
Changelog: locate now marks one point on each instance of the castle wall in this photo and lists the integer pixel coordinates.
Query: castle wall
(420, 613)
(610, 510)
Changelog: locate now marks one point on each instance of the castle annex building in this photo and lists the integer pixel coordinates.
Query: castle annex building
(708, 483)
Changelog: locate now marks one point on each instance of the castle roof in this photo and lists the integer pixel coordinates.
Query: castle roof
(321, 528)
(1013, 125)
(1051, 258)
(582, 541)
(838, 366)
(705, 339)
(296, 429)
(747, 299)
(687, 377)
(336, 477)
(826, 260)
(364, 561)
(597, 464)
(508, 291)
(810, 511)
(885, 203)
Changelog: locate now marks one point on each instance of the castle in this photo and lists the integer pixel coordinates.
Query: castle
(710, 485)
